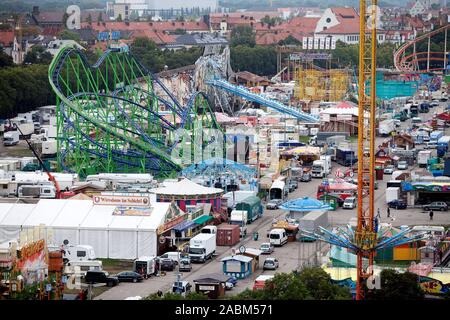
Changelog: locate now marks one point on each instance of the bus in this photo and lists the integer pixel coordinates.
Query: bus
(442, 145)
(278, 190)
(339, 189)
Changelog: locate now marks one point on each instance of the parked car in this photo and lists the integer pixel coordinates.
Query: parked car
(397, 204)
(306, 177)
(230, 283)
(389, 169)
(266, 248)
(185, 265)
(100, 277)
(431, 145)
(349, 203)
(166, 264)
(437, 205)
(434, 104)
(270, 264)
(292, 186)
(402, 165)
(273, 204)
(129, 276)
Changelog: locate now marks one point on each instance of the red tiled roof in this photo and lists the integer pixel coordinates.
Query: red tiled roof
(257, 15)
(345, 27)
(6, 38)
(345, 13)
(156, 36)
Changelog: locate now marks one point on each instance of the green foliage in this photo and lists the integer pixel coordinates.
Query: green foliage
(397, 286)
(290, 40)
(347, 55)
(89, 19)
(179, 31)
(155, 59)
(242, 35)
(261, 60)
(38, 55)
(271, 21)
(119, 18)
(69, 35)
(5, 60)
(310, 283)
(24, 88)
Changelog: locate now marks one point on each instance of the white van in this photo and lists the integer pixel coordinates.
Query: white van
(175, 256)
(278, 237)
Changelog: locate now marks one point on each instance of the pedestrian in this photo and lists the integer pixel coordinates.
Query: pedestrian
(378, 213)
(431, 214)
(159, 293)
(388, 212)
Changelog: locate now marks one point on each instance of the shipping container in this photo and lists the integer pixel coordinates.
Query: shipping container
(227, 235)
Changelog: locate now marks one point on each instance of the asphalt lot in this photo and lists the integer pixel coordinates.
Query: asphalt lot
(294, 254)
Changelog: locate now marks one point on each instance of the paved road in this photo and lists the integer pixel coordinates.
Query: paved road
(290, 256)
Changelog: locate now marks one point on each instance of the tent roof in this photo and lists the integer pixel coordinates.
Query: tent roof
(73, 213)
(304, 204)
(45, 212)
(186, 187)
(17, 214)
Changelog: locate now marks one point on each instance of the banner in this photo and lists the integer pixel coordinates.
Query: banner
(322, 43)
(305, 43)
(333, 43)
(324, 117)
(310, 42)
(132, 201)
(33, 262)
(344, 117)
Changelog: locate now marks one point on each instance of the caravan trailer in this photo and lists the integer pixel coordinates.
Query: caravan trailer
(278, 190)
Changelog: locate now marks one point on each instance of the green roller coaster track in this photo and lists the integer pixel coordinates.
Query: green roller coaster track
(109, 118)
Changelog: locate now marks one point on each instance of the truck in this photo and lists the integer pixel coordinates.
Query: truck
(253, 206)
(234, 197)
(49, 148)
(319, 169)
(310, 223)
(327, 160)
(386, 127)
(239, 217)
(442, 145)
(209, 230)
(11, 138)
(146, 266)
(202, 247)
(49, 131)
(321, 138)
(423, 157)
(346, 157)
(392, 193)
(435, 136)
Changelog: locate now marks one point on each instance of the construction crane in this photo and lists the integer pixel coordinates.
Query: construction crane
(51, 178)
(366, 234)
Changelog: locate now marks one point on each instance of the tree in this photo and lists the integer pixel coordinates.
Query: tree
(89, 19)
(290, 40)
(397, 286)
(175, 296)
(119, 18)
(261, 60)
(319, 285)
(38, 54)
(242, 35)
(69, 35)
(5, 60)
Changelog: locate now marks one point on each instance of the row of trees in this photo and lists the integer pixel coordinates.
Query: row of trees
(315, 284)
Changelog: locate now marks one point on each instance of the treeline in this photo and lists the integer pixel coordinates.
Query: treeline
(24, 88)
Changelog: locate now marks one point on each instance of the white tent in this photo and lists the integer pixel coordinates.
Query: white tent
(81, 222)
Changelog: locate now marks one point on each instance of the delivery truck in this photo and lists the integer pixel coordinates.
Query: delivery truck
(11, 138)
(202, 247)
(319, 169)
(253, 206)
(386, 127)
(310, 223)
(422, 158)
(392, 193)
(234, 197)
(345, 157)
(239, 217)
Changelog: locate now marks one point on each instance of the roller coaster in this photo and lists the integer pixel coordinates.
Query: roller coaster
(109, 118)
(408, 60)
